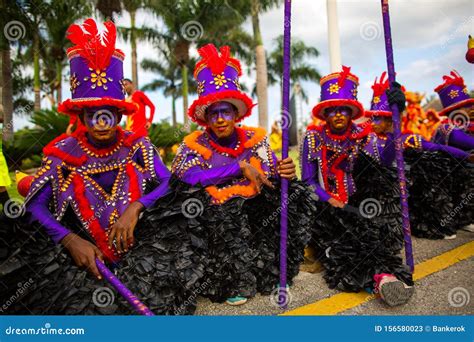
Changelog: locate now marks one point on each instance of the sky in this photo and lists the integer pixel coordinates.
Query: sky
(429, 39)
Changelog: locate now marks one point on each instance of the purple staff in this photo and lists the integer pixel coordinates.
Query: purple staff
(398, 143)
(282, 295)
(137, 305)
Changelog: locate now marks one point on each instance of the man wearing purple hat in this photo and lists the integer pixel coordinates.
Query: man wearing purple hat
(358, 247)
(239, 173)
(431, 170)
(87, 197)
(457, 128)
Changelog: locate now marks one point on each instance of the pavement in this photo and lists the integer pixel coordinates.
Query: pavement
(443, 286)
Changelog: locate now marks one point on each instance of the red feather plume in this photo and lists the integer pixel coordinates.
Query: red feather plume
(381, 86)
(217, 60)
(97, 48)
(452, 79)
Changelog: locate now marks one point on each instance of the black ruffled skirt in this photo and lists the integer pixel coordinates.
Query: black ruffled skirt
(163, 269)
(243, 240)
(438, 185)
(354, 246)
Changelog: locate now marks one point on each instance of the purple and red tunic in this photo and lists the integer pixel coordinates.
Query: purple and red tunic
(450, 135)
(213, 163)
(328, 160)
(97, 183)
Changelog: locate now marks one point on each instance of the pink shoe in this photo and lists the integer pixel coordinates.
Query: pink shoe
(392, 291)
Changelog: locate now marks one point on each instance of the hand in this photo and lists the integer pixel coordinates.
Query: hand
(122, 230)
(286, 168)
(83, 252)
(69, 129)
(148, 125)
(471, 158)
(396, 96)
(252, 174)
(336, 203)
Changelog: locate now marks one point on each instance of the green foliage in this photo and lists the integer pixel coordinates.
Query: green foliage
(163, 135)
(26, 149)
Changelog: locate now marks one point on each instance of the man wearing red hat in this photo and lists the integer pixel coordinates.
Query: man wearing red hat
(85, 201)
(431, 174)
(240, 174)
(361, 246)
(457, 128)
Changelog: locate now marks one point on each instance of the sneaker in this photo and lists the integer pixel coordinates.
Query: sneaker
(235, 301)
(450, 237)
(394, 292)
(469, 228)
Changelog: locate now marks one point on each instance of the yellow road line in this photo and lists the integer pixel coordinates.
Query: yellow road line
(344, 301)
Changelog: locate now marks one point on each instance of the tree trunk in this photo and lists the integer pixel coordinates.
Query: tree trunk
(261, 67)
(36, 72)
(173, 110)
(184, 72)
(133, 41)
(59, 82)
(7, 93)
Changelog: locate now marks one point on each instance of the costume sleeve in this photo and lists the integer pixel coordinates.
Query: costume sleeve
(458, 138)
(309, 172)
(163, 175)
(387, 152)
(214, 176)
(147, 102)
(38, 208)
(453, 151)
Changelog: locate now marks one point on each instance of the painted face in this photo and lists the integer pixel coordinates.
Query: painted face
(381, 124)
(128, 86)
(220, 118)
(338, 118)
(462, 116)
(101, 123)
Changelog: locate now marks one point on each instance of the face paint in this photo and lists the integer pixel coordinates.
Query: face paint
(332, 111)
(220, 117)
(101, 124)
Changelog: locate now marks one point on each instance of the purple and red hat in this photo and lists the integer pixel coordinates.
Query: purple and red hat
(379, 105)
(339, 89)
(453, 93)
(217, 75)
(96, 70)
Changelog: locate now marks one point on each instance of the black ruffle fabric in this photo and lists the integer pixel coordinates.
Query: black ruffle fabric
(378, 198)
(162, 269)
(463, 195)
(431, 193)
(353, 250)
(242, 237)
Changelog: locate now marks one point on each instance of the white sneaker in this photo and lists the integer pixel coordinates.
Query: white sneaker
(450, 237)
(469, 228)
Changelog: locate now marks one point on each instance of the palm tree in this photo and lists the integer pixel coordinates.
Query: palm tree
(189, 22)
(301, 70)
(171, 79)
(62, 13)
(257, 7)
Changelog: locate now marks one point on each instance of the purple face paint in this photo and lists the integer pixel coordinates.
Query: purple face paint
(332, 111)
(219, 110)
(101, 118)
(377, 120)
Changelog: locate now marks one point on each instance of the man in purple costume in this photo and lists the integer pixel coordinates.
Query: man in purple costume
(457, 128)
(329, 156)
(239, 173)
(89, 192)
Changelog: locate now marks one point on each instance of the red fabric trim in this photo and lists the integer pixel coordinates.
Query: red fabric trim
(51, 150)
(341, 194)
(319, 108)
(241, 138)
(98, 234)
(220, 96)
(457, 105)
(81, 136)
(74, 107)
(348, 134)
(134, 186)
(372, 113)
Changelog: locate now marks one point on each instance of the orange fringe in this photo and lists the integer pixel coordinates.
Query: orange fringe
(191, 141)
(246, 191)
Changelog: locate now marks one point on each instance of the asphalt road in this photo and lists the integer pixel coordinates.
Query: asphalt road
(445, 292)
